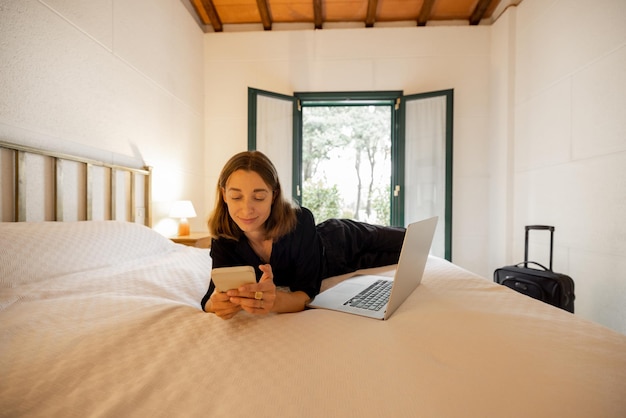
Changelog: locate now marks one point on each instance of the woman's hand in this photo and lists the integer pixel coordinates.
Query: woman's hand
(220, 305)
(258, 298)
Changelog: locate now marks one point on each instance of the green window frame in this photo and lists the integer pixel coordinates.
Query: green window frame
(399, 101)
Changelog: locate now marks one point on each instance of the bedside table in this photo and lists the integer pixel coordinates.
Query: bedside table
(194, 239)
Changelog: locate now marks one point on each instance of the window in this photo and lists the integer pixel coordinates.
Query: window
(418, 169)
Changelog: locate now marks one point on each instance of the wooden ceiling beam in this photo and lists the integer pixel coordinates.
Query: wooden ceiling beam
(211, 12)
(370, 19)
(424, 15)
(479, 11)
(318, 15)
(264, 11)
(199, 8)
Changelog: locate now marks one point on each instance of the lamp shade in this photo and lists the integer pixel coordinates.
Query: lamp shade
(182, 209)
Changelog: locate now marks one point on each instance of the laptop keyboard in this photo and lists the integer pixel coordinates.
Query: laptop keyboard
(373, 298)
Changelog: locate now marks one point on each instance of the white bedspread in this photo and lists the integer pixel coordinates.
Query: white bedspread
(96, 325)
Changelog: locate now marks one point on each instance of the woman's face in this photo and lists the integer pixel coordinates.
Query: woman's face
(249, 200)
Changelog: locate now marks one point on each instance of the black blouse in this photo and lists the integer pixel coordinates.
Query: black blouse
(296, 259)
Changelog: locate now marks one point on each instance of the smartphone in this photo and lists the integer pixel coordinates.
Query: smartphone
(226, 278)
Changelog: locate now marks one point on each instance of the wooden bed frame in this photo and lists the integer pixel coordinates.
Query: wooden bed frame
(67, 187)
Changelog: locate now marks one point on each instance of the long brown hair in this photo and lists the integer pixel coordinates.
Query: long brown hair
(282, 219)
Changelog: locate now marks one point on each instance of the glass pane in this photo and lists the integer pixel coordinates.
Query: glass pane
(274, 135)
(425, 164)
(346, 162)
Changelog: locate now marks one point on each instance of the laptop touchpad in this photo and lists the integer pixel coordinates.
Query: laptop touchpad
(349, 288)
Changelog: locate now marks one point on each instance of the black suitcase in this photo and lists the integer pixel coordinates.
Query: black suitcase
(540, 283)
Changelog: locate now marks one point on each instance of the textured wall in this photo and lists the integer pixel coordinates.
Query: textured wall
(411, 59)
(109, 78)
(561, 155)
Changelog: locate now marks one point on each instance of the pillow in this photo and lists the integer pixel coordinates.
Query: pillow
(34, 251)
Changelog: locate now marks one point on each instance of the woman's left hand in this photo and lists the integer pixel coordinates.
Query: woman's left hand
(258, 298)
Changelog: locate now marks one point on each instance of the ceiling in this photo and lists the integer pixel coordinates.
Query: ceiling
(251, 15)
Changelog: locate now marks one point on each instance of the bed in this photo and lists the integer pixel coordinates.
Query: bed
(102, 318)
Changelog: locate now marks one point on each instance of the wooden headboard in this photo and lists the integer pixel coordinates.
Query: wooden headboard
(42, 185)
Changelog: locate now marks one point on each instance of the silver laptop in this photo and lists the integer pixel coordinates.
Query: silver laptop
(355, 296)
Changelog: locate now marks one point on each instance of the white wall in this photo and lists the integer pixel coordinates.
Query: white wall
(110, 78)
(411, 59)
(561, 145)
(540, 134)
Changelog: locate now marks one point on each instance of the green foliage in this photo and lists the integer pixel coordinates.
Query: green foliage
(381, 206)
(322, 130)
(322, 200)
(362, 136)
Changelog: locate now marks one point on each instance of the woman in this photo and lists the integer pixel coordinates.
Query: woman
(253, 224)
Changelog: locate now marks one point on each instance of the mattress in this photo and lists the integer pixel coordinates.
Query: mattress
(103, 319)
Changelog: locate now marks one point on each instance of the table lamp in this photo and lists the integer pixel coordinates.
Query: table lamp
(183, 209)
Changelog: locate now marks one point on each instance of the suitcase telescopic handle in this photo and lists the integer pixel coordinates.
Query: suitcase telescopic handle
(526, 263)
(544, 227)
(539, 227)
